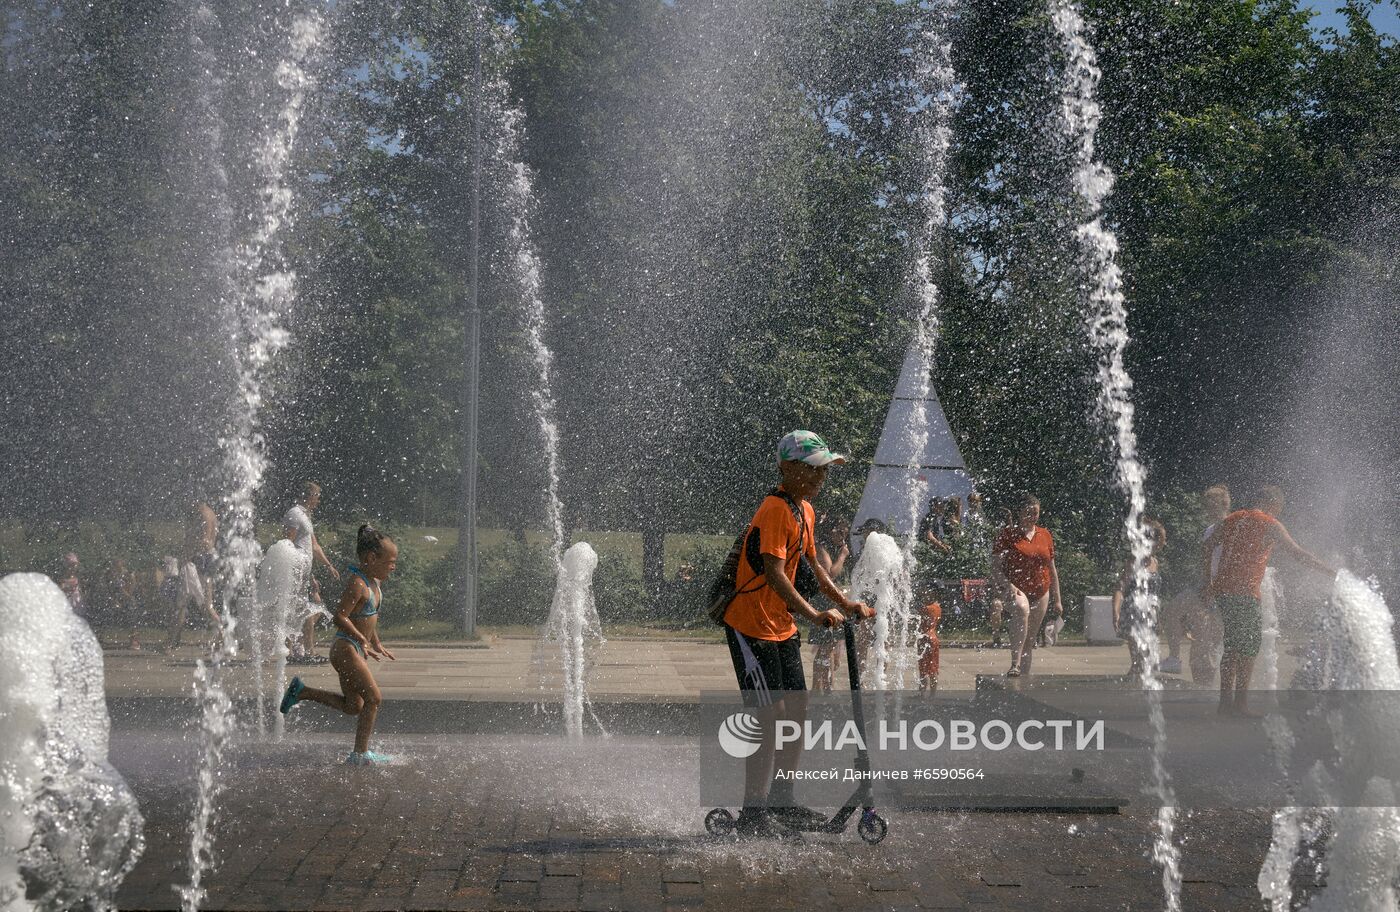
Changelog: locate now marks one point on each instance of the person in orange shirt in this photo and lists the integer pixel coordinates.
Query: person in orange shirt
(1245, 541)
(928, 645)
(763, 639)
(1023, 570)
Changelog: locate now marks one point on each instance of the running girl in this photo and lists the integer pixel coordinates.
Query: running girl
(356, 642)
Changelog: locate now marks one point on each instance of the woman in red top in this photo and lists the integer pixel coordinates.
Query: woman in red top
(1023, 571)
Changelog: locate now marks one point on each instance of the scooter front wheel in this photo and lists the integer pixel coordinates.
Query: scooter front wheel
(719, 822)
(872, 827)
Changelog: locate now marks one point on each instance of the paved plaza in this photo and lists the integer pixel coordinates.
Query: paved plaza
(517, 668)
(489, 822)
(484, 815)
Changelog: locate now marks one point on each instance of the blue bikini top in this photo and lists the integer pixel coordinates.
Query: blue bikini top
(373, 606)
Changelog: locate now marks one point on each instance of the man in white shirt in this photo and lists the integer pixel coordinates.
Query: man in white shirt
(297, 527)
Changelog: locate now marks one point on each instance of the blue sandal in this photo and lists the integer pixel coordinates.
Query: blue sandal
(368, 758)
(293, 695)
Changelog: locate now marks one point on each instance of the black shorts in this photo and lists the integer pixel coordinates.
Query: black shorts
(779, 666)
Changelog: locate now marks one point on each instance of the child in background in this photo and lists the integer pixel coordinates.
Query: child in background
(1128, 609)
(167, 579)
(928, 646)
(996, 610)
(122, 604)
(833, 553)
(68, 581)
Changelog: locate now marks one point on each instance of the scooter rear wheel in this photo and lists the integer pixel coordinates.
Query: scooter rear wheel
(719, 822)
(872, 828)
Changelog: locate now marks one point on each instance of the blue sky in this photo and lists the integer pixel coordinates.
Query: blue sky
(1385, 16)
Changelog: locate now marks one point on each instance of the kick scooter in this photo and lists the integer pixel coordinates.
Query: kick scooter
(871, 827)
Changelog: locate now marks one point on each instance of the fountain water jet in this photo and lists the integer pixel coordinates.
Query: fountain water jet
(881, 578)
(519, 202)
(1358, 794)
(1271, 597)
(257, 294)
(573, 618)
(277, 601)
(934, 73)
(573, 625)
(70, 830)
(1108, 332)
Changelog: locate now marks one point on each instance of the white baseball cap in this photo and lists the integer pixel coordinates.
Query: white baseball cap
(805, 446)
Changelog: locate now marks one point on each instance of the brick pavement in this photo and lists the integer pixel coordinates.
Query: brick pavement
(477, 822)
(467, 821)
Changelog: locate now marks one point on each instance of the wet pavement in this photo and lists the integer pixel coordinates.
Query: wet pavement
(488, 822)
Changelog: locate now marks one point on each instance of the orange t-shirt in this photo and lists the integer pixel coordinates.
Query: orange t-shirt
(1026, 561)
(1246, 539)
(933, 613)
(762, 613)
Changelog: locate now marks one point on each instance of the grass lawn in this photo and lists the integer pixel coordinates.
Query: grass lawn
(627, 545)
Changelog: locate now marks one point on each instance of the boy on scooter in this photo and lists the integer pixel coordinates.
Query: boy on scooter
(763, 639)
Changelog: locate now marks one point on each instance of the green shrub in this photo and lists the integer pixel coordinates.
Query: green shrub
(1080, 575)
(620, 593)
(516, 584)
(691, 602)
(1183, 513)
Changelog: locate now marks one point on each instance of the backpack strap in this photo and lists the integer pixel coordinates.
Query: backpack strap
(720, 601)
(798, 515)
(754, 559)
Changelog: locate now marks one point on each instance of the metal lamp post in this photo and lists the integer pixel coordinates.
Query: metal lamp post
(468, 563)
